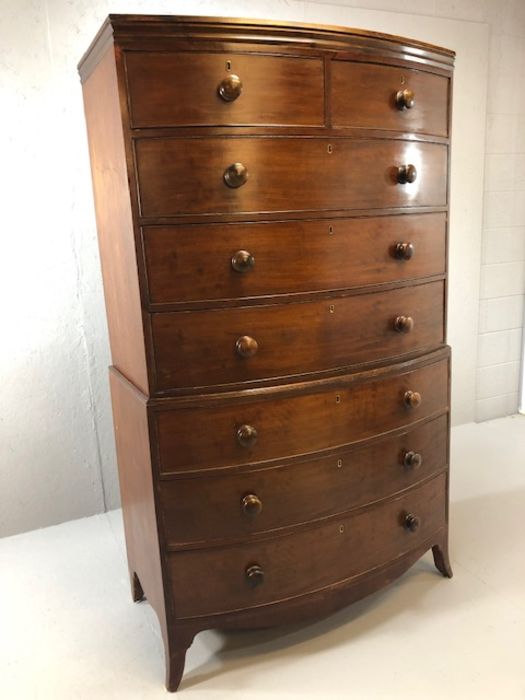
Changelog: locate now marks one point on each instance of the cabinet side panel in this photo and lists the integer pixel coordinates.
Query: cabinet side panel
(137, 490)
(114, 221)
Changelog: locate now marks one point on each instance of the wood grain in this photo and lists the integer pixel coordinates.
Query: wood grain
(198, 348)
(363, 95)
(199, 436)
(302, 562)
(180, 176)
(188, 264)
(263, 437)
(114, 221)
(199, 512)
(156, 31)
(276, 90)
(137, 495)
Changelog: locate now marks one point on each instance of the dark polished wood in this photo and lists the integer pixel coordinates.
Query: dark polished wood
(251, 344)
(405, 99)
(387, 97)
(214, 262)
(159, 31)
(251, 505)
(273, 89)
(230, 87)
(406, 174)
(295, 425)
(441, 557)
(412, 399)
(107, 151)
(272, 211)
(290, 569)
(293, 494)
(235, 175)
(186, 176)
(137, 493)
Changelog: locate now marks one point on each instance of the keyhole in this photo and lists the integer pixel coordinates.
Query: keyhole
(228, 65)
(339, 463)
(329, 148)
(330, 230)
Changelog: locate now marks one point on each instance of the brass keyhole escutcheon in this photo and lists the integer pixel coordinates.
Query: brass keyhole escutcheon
(331, 308)
(339, 463)
(341, 529)
(338, 398)
(330, 148)
(228, 65)
(330, 230)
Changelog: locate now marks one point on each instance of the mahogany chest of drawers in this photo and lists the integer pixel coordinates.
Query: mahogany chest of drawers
(272, 210)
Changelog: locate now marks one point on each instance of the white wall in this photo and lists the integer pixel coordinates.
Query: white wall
(503, 261)
(57, 460)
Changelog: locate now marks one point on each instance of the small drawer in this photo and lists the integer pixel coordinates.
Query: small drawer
(242, 175)
(188, 263)
(218, 580)
(234, 505)
(225, 432)
(207, 89)
(258, 343)
(386, 97)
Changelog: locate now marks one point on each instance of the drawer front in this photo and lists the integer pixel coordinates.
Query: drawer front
(188, 176)
(212, 581)
(184, 89)
(203, 436)
(364, 95)
(189, 263)
(236, 505)
(247, 344)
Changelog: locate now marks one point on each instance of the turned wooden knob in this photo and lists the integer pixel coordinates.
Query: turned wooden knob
(251, 505)
(403, 324)
(412, 399)
(235, 175)
(242, 261)
(405, 99)
(247, 435)
(246, 346)
(230, 88)
(254, 575)
(412, 460)
(406, 174)
(403, 251)
(412, 522)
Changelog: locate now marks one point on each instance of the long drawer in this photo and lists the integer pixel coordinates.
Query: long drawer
(244, 502)
(198, 88)
(203, 434)
(248, 344)
(218, 580)
(187, 263)
(387, 97)
(285, 174)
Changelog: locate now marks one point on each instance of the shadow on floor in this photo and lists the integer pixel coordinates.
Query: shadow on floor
(477, 528)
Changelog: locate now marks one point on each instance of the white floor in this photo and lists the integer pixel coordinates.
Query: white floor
(68, 628)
